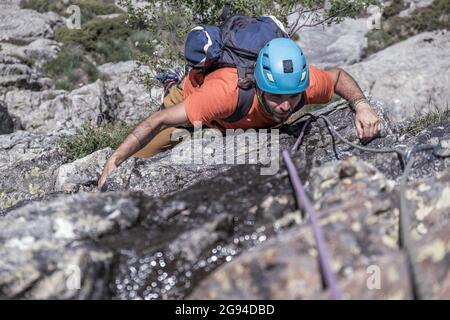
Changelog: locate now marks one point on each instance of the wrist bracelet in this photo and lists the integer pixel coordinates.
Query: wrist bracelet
(355, 103)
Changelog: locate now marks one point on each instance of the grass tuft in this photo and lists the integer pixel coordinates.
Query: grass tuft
(429, 119)
(90, 138)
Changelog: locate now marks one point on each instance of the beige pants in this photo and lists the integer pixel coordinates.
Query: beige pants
(163, 140)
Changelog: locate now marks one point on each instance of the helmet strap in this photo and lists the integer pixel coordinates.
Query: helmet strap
(262, 101)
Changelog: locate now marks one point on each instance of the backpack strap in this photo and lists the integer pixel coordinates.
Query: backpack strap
(245, 100)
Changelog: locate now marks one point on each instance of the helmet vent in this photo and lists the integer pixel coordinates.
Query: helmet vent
(303, 76)
(266, 55)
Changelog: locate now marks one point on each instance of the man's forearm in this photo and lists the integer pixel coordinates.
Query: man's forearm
(345, 86)
(137, 139)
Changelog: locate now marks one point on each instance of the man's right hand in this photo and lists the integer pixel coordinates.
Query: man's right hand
(110, 165)
(141, 135)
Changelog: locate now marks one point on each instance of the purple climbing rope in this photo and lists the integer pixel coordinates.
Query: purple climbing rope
(303, 200)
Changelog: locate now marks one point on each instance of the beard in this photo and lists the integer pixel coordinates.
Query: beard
(275, 116)
(280, 118)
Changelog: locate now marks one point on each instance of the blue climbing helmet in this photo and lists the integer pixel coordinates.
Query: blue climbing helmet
(281, 68)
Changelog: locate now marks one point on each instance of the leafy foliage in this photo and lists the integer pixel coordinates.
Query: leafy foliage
(170, 21)
(106, 40)
(98, 41)
(90, 138)
(71, 68)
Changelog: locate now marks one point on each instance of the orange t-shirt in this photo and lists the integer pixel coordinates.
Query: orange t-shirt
(217, 98)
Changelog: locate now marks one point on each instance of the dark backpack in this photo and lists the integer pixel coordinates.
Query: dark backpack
(236, 43)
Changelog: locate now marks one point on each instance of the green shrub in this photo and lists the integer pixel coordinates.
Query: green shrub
(93, 31)
(171, 20)
(103, 40)
(106, 40)
(394, 8)
(91, 138)
(395, 28)
(112, 50)
(71, 68)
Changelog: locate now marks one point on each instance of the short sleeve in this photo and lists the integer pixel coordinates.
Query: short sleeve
(216, 98)
(321, 86)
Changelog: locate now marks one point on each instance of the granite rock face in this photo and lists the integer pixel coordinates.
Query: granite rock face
(135, 101)
(358, 212)
(216, 217)
(190, 234)
(49, 250)
(336, 45)
(405, 84)
(27, 24)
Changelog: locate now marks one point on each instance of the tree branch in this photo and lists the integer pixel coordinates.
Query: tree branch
(333, 16)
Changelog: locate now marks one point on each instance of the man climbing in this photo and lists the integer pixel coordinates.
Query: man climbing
(284, 84)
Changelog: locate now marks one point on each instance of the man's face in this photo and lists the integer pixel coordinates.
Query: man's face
(281, 106)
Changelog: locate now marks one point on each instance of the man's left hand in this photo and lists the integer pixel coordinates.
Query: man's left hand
(367, 122)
